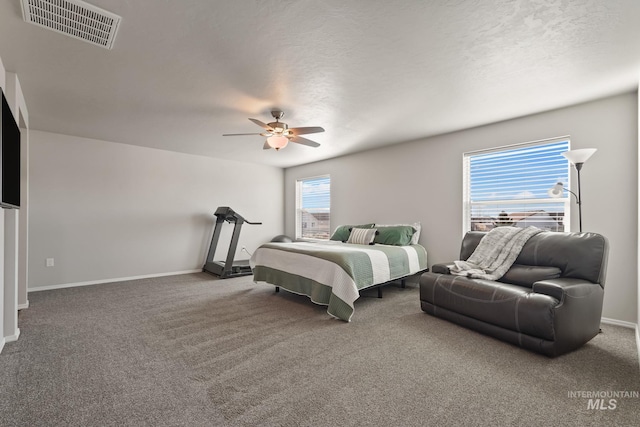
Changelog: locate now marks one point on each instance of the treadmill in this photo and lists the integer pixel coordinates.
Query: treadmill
(228, 267)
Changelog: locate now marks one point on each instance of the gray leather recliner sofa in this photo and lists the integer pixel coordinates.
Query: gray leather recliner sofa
(549, 301)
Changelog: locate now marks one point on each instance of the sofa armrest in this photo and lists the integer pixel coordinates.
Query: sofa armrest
(577, 316)
(562, 288)
(442, 268)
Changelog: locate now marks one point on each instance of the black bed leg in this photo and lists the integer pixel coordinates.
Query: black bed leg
(402, 284)
(379, 291)
(277, 288)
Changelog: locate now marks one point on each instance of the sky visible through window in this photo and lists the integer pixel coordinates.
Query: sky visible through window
(316, 194)
(509, 187)
(314, 208)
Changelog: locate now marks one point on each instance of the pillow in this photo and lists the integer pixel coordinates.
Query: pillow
(399, 235)
(342, 232)
(362, 236)
(416, 225)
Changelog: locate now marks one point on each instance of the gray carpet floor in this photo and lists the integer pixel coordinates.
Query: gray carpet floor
(197, 351)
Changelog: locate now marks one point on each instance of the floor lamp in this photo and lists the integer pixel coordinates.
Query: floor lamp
(577, 159)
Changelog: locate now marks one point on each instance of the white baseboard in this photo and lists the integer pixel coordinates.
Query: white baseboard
(616, 322)
(23, 306)
(1, 344)
(14, 337)
(119, 279)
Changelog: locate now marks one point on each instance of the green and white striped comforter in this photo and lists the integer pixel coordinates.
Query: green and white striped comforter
(331, 273)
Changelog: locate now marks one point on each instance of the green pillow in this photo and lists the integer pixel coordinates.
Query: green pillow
(342, 232)
(399, 235)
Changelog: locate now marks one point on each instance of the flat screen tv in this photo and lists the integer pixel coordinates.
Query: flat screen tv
(10, 163)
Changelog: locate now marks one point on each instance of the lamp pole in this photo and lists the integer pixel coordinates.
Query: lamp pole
(578, 167)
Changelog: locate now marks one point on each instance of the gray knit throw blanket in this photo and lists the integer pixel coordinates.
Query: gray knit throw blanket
(495, 254)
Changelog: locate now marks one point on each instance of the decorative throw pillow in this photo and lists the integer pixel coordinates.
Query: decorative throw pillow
(342, 232)
(398, 235)
(362, 236)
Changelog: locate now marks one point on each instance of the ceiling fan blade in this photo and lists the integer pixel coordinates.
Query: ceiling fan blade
(304, 141)
(306, 130)
(262, 124)
(266, 146)
(238, 134)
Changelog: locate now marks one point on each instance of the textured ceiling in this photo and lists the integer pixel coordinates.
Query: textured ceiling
(182, 73)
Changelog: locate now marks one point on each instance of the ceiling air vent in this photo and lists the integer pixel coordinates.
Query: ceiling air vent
(74, 18)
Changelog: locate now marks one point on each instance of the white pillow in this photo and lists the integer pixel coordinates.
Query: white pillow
(362, 236)
(416, 226)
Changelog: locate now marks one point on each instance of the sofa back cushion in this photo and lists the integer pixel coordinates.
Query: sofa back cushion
(527, 275)
(577, 255)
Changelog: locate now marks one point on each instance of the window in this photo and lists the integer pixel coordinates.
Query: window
(508, 186)
(313, 208)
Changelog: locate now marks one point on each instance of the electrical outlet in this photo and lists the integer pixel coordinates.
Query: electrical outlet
(49, 262)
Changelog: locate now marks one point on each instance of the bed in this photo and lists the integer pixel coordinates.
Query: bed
(333, 272)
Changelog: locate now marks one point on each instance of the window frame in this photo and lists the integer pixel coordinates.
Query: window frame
(467, 204)
(298, 208)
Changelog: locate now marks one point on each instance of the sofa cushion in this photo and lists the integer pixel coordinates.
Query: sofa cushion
(508, 306)
(442, 268)
(527, 275)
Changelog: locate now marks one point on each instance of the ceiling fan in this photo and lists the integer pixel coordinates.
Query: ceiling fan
(279, 133)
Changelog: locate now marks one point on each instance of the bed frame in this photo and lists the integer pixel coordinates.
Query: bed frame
(380, 285)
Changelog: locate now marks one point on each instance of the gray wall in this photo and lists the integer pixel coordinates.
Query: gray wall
(422, 181)
(106, 211)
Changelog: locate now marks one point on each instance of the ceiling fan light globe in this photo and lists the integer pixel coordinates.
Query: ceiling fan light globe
(277, 142)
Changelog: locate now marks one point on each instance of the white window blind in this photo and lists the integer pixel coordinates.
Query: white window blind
(313, 208)
(508, 186)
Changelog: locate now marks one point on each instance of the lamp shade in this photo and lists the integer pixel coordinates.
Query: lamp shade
(579, 156)
(556, 191)
(277, 141)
